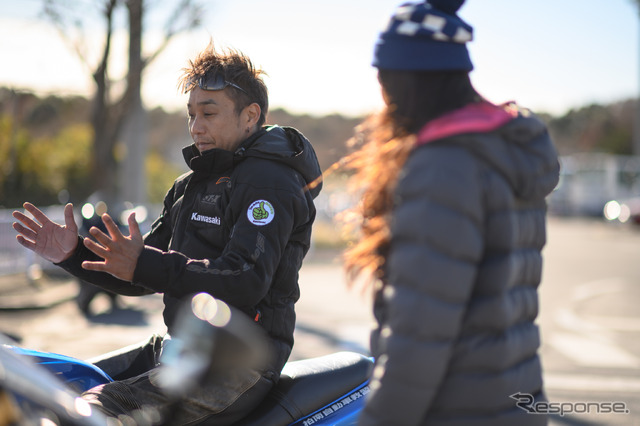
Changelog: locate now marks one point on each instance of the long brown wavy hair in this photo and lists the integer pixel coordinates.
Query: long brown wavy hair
(383, 143)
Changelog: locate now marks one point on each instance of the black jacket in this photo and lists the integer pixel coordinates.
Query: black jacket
(237, 226)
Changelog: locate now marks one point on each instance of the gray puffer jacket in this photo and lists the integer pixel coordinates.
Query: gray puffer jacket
(456, 336)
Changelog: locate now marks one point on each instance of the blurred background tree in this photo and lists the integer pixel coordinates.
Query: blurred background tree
(26, 119)
(46, 168)
(595, 128)
(46, 150)
(117, 115)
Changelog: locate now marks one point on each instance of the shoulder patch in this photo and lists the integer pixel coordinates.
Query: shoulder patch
(261, 212)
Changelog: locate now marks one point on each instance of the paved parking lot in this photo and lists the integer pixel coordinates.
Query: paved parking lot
(589, 319)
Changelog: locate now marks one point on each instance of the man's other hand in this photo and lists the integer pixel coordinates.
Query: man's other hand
(120, 253)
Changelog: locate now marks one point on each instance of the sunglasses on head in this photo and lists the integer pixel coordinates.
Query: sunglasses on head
(216, 82)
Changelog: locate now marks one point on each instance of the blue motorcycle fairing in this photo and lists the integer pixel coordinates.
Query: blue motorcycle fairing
(79, 375)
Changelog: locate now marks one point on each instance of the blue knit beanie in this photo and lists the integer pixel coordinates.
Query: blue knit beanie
(425, 36)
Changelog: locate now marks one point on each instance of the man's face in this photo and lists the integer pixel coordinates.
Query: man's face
(213, 121)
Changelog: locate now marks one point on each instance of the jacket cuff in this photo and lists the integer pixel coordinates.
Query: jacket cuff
(77, 257)
(149, 272)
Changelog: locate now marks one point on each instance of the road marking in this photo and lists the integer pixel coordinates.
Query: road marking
(591, 352)
(589, 339)
(567, 319)
(598, 288)
(615, 323)
(605, 384)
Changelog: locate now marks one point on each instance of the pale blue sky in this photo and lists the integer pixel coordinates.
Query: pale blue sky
(548, 55)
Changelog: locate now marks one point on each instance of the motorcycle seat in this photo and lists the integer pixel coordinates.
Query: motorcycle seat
(309, 384)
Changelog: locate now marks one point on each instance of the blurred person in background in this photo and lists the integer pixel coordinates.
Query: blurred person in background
(453, 220)
(237, 226)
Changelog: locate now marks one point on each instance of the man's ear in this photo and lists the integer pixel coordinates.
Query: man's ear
(252, 113)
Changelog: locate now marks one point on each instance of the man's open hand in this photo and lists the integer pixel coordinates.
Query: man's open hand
(50, 240)
(120, 253)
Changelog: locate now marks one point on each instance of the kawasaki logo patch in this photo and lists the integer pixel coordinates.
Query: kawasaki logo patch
(260, 212)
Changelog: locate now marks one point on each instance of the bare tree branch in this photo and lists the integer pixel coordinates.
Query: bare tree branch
(185, 17)
(51, 10)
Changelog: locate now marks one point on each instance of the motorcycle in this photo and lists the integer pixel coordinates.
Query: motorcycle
(43, 388)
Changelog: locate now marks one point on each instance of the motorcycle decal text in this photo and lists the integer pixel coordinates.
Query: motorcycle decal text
(336, 406)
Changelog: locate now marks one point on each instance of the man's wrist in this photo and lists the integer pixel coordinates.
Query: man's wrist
(72, 253)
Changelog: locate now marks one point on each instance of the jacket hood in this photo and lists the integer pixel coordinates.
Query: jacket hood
(509, 138)
(286, 145)
(282, 144)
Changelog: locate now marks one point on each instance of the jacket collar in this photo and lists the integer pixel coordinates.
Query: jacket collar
(217, 160)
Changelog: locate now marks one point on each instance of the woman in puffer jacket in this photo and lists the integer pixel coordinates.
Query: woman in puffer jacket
(453, 223)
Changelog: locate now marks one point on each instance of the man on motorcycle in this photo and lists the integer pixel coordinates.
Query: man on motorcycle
(237, 226)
